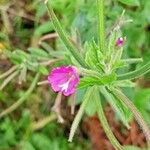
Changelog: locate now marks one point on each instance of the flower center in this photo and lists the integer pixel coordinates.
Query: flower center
(64, 86)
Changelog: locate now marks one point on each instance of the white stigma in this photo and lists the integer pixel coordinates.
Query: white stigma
(64, 87)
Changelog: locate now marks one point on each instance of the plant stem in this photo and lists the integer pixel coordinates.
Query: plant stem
(12, 69)
(80, 113)
(135, 74)
(73, 50)
(101, 25)
(135, 112)
(8, 79)
(132, 60)
(22, 99)
(6, 20)
(41, 123)
(105, 124)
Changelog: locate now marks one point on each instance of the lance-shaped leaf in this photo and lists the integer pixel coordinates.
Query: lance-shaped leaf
(102, 80)
(135, 112)
(73, 50)
(94, 57)
(121, 110)
(104, 122)
(135, 74)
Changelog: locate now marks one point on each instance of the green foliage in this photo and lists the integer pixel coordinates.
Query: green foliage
(130, 2)
(133, 148)
(122, 111)
(92, 51)
(102, 80)
(107, 64)
(142, 97)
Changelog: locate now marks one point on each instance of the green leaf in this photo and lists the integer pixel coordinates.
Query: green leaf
(130, 2)
(19, 56)
(139, 118)
(142, 97)
(132, 148)
(33, 66)
(8, 130)
(92, 56)
(38, 52)
(79, 95)
(90, 81)
(111, 44)
(71, 48)
(27, 146)
(44, 28)
(43, 70)
(90, 109)
(136, 73)
(41, 141)
(24, 122)
(124, 83)
(104, 122)
(121, 110)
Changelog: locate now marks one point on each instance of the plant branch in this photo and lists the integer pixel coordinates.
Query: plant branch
(5, 74)
(43, 122)
(80, 113)
(22, 99)
(8, 79)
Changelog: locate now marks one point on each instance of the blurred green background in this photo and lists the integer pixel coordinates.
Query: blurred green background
(25, 24)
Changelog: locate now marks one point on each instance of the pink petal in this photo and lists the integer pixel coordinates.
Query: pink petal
(62, 75)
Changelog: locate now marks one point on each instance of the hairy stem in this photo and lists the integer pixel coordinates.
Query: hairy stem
(6, 20)
(135, 112)
(101, 25)
(132, 60)
(80, 113)
(8, 79)
(22, 99)
(5, 74)
(105, 124)
(43, 122)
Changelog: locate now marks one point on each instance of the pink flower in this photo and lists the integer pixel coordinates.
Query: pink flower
(64, 79)
(120, 42)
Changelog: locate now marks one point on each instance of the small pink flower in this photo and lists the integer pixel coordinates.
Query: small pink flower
(64, 79)
(120, 42)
